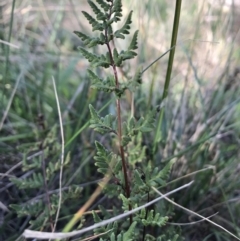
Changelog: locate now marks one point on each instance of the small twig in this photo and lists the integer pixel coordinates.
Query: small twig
(118, 105)
(9, 44)
(5, 175)
(194, 213)
(47, 235)
(191, 223)
(3, 207)
(210, 167)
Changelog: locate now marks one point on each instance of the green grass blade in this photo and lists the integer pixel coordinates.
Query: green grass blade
(169, 71)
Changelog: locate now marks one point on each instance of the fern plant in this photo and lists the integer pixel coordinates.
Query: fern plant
(131, 172)
(38, 203)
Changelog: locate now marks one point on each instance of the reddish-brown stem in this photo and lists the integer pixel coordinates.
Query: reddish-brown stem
(124, 165)
(118, 103)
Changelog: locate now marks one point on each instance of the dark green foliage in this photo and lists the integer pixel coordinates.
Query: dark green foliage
(90, 42)
(38, 209)
(134, 45)
(125, 28)
(199, 126)
(100, 124)
(101, 61)
(142, 177)
(41, 209)
(95, 24)
(103, 4)
(97, 11)
(152, 219)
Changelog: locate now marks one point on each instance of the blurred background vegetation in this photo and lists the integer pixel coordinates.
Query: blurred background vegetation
(201, 125)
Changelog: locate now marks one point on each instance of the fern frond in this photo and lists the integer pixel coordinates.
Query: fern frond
(135, 81)
(100, 15)
(36, 181)
(94, 78)
(88, 41)
(95, 24)
(102, 152)
(146, 125)
(116, 58)
(127, 55)
(127, 236)
(125, 202)
(100, 124)
(103, 5)
(30, 209)
(117, 10)
(138, 179)
(117, 6)
(134, 45)
(125, 28)
(103, 158)
(94, 114)
(89, 56)
(164, 173)
(154, 220)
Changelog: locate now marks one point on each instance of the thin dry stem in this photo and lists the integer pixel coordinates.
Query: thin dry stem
(46, 235)
(62, 154)
(194, 213)
(118, 104)
(9, 44)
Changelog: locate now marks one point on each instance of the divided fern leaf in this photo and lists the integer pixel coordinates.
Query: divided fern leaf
(128, 235)
(125, 28)
(117, 9)
(164, 173)
(116, 58)
(95, 24)
(96, 81)
(136, 80)
(134, 45)
(127, 55)
(149, 122)
(86, 39)
(94, 115)
(103, 158)
(103, 5)
(97, 11)
(101, 151)
(89, 56)
(127, 165)
(154, 219)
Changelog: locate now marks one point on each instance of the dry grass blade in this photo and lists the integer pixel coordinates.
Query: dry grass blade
(47, 235)
(3, 207)
(191, 223)
(196, 214)
(95, 236)
(9, 44)
(62, 154)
